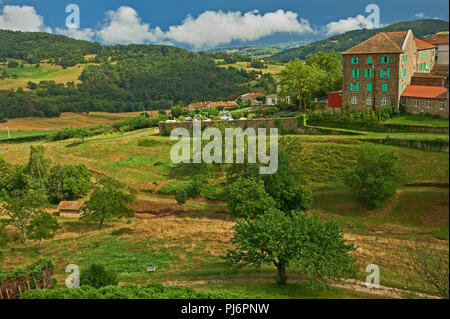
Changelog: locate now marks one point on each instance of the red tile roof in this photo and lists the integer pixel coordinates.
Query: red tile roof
(422, 45)
(439, 39)
(67, 205)
(252, 95)
(431, 92)
(200, 105)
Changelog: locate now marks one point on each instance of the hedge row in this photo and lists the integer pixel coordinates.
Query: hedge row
(151, 291)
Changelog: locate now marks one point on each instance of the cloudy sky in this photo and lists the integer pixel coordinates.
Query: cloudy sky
(201, 24)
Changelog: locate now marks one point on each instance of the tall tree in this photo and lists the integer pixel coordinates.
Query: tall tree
(38, 165)
(109, 200)
(20, 207)
(301, 82)
(315, 247)
(331, 63)
(42, 226)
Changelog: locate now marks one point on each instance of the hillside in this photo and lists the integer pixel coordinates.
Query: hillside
(123, 78)
(342, 42)
(34, 47)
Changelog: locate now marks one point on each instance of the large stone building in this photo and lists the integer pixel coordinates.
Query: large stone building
(377, 71)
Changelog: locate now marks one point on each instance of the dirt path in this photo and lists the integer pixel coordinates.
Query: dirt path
(382, 292)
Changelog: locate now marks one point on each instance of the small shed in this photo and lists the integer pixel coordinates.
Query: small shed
(335, 99)
(70, 209)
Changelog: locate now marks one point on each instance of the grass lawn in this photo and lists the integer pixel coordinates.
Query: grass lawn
(411, 119)
(14, 134)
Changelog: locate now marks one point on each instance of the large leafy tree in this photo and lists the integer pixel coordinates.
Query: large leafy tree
(375, 177)
(313, 246)
(20, 208)
(109, 200)
(300, 82)
(331, 63)
(42, 226)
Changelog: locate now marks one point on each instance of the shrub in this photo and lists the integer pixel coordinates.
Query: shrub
(97, 276)
(150, 291)
(181, 196)
(375, 177)
(246, 197)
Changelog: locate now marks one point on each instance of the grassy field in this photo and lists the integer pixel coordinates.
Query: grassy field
(411, 119)
(273, 69)
(187, 243)
(45, 72)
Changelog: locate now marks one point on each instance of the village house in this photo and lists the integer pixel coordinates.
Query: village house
(253, 98)
(441, 41)
(70, 209)
(420, 99)
(377, 71)
(210, 104)
(272, 100)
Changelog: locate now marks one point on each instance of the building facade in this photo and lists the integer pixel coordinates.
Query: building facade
(433, 100)
(377, 71)
(442, 42)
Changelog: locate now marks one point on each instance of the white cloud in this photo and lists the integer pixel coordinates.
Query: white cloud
(419, 15)
(80, 34)
(22, 18)
(344, 25)
(212, 28)
(125, 26)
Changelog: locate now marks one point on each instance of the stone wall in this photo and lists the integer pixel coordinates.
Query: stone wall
(290, 125)
(424, 105)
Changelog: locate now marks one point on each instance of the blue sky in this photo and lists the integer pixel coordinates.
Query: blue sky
(163, 21)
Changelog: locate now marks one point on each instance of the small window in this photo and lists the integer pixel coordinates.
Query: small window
(369, 101)
(428, 104)
(441, 105)
(384, 101)
(369, 60)
(416, 103)
(354, 100)
(403, 101)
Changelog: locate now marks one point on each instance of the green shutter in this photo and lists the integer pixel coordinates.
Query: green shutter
(357, 86)
(369, 87)
(351, 86)
(369, 60)
(387, 59)
(388, 73)
(381, 73)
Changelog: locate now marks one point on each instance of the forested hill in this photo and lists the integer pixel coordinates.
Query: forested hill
(120, 78)
(345, 41)
(33, 47)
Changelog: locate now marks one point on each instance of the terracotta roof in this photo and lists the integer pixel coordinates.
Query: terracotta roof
(252, 95)
(67, 205)
(200, 105)
(431, 92)
(422, 45)
(383, 42)
(438, 39)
